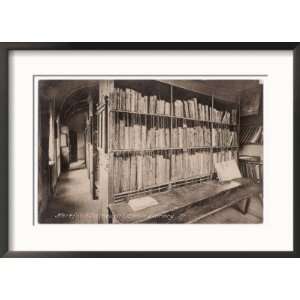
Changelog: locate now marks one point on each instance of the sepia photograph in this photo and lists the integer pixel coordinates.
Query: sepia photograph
(156, 151)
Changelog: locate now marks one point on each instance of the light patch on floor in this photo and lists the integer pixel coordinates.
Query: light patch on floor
(72, 201)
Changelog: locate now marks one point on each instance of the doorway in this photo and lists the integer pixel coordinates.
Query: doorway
(73, 146)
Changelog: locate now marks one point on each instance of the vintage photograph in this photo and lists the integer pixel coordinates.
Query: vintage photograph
(158, 151)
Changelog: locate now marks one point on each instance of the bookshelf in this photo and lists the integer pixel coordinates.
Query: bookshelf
(155, 136)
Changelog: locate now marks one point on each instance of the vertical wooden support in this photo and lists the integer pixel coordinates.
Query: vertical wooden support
(58, 142)
(43, 155)
(171, 134)
(91, 150)
(211, 136)
(238, 127)
(106, 156)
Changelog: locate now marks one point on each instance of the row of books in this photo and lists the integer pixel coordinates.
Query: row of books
(135, 171)
(225, 117)
(133, 133)
(159, 106)
(198, 136)
(251, 167)
(251, 135)
(192, 109)
(223, 137)
(133, 101)
(130, 134)
(190, 164)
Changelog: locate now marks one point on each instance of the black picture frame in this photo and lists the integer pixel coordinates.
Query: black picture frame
(5, 48)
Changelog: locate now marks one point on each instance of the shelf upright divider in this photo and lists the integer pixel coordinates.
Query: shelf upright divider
(211, 136)
(110, 136)
(238, 129)
(171, 135)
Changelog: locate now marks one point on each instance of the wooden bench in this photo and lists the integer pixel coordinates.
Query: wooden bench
(189, 203)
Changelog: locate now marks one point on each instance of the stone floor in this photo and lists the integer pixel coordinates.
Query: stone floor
(72, 201)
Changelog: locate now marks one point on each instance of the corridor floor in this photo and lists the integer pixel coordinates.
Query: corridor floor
(72, 201)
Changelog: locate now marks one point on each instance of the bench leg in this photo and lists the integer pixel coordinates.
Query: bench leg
(243, 206)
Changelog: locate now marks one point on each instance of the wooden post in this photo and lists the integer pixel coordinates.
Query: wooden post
(106, 155)
(43, 156)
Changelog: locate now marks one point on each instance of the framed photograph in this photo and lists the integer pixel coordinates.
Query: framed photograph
(149, 149)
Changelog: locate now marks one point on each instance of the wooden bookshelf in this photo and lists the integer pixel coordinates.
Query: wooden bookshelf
(175, 134)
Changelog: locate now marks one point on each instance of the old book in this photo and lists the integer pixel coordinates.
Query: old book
(131, 135)
(158, 171)
(137, 136)
(131, 100)
(200, 134)
(144, 136)
(123, 99)
(145, 169)
(118, 95)
(227, 170)
(142, 203)
(127, 137)
(180, 137)
(116, 174)
(150, 105)
(178, 108)
(139, 103)
(150, 138)
(200, 112)
(125, 173)
(133, 165)
(196, 117)
(157, 132)
(136, 99)
(173, 169)
(174, 137)
(139, 175)
(144, 110)
(167, 174)
(160, 107)
(167, 137)
(191, 109)
(186, 109)
(127, 99)
(167, 108)
(152, 169)
(122, 132)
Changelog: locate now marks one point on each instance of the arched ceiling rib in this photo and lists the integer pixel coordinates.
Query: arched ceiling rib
(62, 90)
